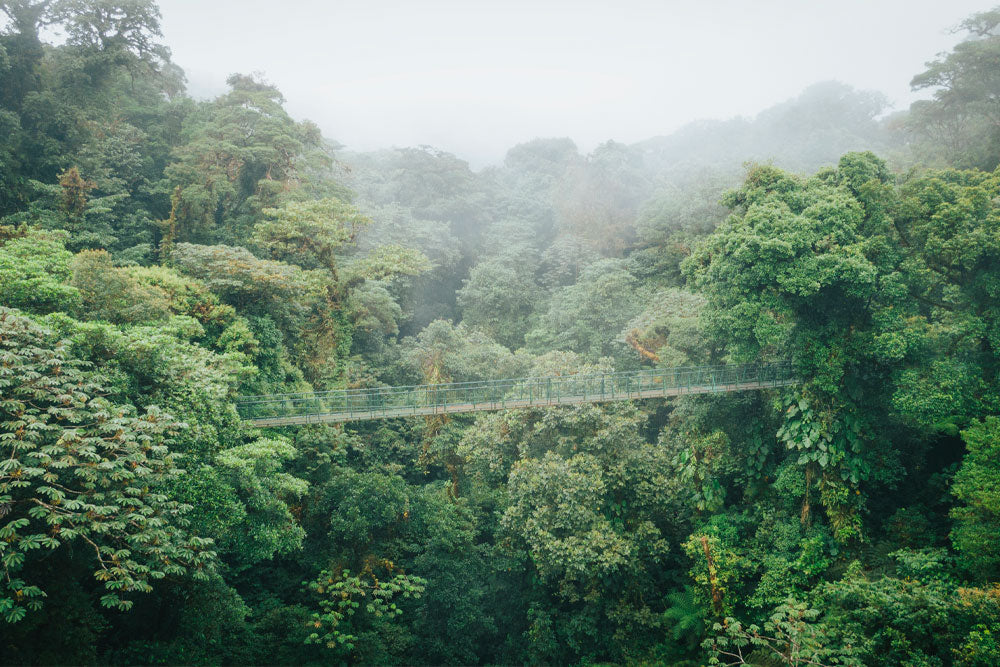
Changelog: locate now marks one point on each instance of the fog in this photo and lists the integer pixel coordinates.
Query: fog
(475, 78)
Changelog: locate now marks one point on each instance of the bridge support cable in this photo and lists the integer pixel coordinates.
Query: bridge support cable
(455, 397)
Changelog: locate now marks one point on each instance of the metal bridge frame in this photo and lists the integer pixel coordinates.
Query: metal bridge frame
(455, 397)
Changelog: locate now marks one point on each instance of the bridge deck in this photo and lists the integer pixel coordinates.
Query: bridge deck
(452, 408)
(395, 402)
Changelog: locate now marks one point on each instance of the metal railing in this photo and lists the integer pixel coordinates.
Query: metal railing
(429, 399)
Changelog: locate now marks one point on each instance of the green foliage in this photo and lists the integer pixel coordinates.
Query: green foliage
(597, 202)
(257, 476)
(668, 332)
(35, 272)
(916, 617)
(311, 233)
(948, 223)
(375, 313)
(432, 184)
(586, 513)
(443, 352)
(958, 124)
(831, 448)
(168, 255)
(185, 296)
(791, 636)
(341, 597)
(79, 469)
(699, 467)
(975, 485)
(498, 299)
(791, 246)
(385, 262)
(588, 316)
(242, 153)
(870, 289)
(979, 646)
(236, 274)
(715, 568)
(113, 294)
(113, 33)
(564, 528)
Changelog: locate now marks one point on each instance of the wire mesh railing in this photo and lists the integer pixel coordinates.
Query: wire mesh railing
(386, 402)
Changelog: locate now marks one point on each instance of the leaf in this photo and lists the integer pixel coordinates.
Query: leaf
(15, 614)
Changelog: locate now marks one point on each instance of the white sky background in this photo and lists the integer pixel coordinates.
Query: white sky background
(477, 77)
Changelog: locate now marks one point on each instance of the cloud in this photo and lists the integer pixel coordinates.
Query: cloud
(475, 78)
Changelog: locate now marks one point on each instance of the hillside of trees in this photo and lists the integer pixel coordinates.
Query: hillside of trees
(161, 256)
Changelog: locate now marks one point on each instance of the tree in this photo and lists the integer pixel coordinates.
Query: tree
(671, 221)
(238, 276)
(340, 596)
(498, 298)
(123, 31)
(599, 198)
(35, 273)
(311, 233)
(433, 184)
(319, 235)
(812, 269)
(791, 636)
(915, 614)
(962, 120)
(588, 317)
(27, 16)
(23, 51)
(241, 154)
(946, 223)
(186, 296)
(79, 469)
(668, 333)
(443, 352)
(977, 520)
(564, 261)
(587, 509)
(255, 475)
(111, 293)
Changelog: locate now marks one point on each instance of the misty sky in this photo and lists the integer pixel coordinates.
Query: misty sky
(475, 78)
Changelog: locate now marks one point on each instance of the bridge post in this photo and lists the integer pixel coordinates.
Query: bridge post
(373, 403)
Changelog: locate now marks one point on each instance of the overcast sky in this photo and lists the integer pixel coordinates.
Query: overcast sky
(475, 78)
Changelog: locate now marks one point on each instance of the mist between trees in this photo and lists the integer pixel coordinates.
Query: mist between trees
(161, 257)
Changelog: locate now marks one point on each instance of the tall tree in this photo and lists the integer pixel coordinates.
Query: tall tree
(78, 469)
(242, 153)
(961, 123)
(27, 16)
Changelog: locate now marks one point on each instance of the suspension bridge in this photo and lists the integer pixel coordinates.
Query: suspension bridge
(455, 397)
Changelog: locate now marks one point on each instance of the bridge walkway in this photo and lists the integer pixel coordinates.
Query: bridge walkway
(458, 397)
